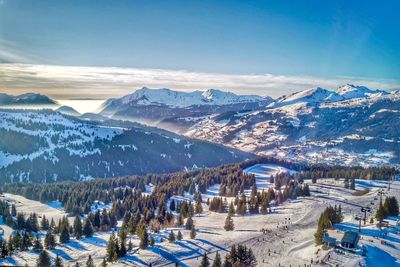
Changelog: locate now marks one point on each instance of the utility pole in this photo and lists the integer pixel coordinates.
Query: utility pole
(381, 193)
(358, 218)
(365, 209)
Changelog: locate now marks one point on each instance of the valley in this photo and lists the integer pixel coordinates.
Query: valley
(289, 227)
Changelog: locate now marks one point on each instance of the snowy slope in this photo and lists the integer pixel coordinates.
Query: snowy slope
(311, 95)
(40, 146)
(147, 96)
(350, 91)
(306, 126)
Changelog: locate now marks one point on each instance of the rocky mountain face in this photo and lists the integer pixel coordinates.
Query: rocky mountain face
(45, 146)
(175, 110)
(353, 125)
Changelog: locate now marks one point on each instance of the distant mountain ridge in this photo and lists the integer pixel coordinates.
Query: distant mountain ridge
(175, 110)
(319, 95)
(26, 99)
(178, 99)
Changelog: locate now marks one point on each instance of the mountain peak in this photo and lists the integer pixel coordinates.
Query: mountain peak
(349, 91)
(165, 96)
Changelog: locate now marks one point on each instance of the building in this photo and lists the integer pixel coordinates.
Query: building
(329, 241)
(350, 239)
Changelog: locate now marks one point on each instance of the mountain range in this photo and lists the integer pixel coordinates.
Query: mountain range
(353, 125)
(177, 111)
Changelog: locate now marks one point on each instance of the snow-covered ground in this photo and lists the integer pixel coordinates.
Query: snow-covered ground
(293, 246)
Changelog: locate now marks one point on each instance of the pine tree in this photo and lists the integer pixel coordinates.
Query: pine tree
(204, 261)
(171, 237)
(353, 184)
(104, 263)
(43, 260)
(44, 224)
(58, 262)
(152, 241)
(37, 244)
(192, 232)
(231, 209)
(89, 262)
(13, 210)
(64, 235)
(217, 261)
(78, 227)
(49, 240)
(87, 228)
(380, 213)
(143, 235)
(122, 249)
(179, 237)
(189, 223)
(229, 225)
(199, 207)
(112, 248)
(130, 245)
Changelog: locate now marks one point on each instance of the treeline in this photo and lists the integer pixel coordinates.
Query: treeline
(259, 201)
(370, 173)
(389, 208)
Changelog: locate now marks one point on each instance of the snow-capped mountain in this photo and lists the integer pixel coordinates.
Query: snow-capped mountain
(38, 146)
(315, 125)
(177, 110)
(350, 91)
(170, 98)
(312, 95)
(25, 99)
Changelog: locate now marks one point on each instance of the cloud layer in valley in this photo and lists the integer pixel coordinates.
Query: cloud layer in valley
(103, 82)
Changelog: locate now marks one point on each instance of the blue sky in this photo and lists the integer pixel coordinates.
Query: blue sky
(321, 40)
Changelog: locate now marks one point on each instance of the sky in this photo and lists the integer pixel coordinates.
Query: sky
(105, 48)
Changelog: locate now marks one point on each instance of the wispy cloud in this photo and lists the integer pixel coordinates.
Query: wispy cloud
(72, 81)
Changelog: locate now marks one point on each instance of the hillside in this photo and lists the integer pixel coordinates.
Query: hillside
(315, 125)
(40, 146)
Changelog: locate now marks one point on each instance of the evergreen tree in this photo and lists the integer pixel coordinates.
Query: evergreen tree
(204, 261)
(78, 231)
(353, 184)
(104, 263)
(87, 228)
(179, 237)
(231, 209)
(122, 249)
(13, 210)
(49, 240)
(152, 241)
(189, 223)
(192, 232)
(44, 224)
(229, 225)
(89, 262)
(64, 235)
(112, 248)
(171, 237)
(380, 213)
(143, 235)
(37, 243)
(217, 260)
(43, 260)
(58, 262)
